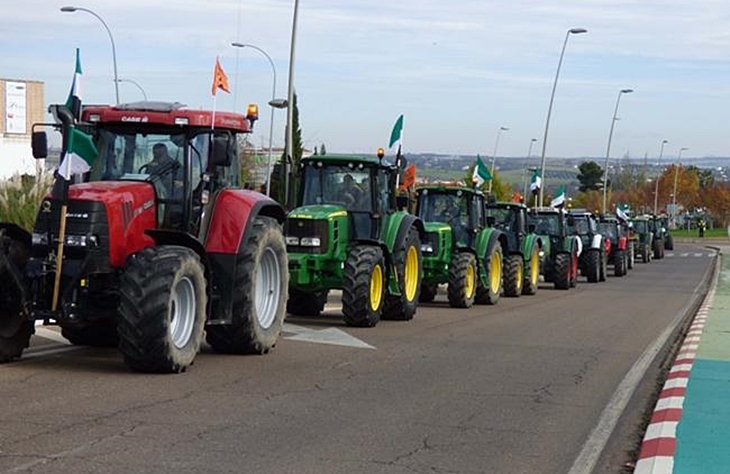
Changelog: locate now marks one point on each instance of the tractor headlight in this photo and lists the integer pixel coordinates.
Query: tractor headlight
(77, 241)
(310, 242)
(39, 239)
(426, 248)
(292, 240)
(542, 253)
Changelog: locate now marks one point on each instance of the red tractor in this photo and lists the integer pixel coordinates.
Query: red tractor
(159, 244)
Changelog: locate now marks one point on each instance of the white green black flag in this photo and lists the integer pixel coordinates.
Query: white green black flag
(481, 173)
(79, 156)
(536, 182)
(559, 199)
(73, 103)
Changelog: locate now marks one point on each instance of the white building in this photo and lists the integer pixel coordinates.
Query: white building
(22, 103)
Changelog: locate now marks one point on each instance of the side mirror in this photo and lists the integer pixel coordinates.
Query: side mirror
(39, 143)
(531, 228)
(221, 151)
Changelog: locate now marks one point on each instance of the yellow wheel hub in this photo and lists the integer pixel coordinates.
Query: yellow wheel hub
(520, 276)
(376, 287)
(471, 279)
(495, 273)
(411, 273)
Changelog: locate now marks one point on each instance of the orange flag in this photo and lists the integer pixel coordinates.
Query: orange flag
(409, 177)
(220, 80)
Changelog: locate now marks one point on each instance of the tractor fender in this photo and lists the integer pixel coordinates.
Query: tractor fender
(488, 238)
(233, 213)
(398, 227)
(622, 243)
(597, 242)
(182, 239)
(528, 242)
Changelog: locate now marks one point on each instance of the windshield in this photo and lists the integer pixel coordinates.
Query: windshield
(441, 207)
(134, 155)
(339, 184)
(608, 229)
(640, 227)
(545, 224)
(502, 218)
(580, 226)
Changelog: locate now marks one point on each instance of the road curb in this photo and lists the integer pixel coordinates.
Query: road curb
(659, 444)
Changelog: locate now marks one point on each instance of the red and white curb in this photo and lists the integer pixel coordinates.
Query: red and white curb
(660, 440)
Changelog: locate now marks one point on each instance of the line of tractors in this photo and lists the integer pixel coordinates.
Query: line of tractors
(153, 259)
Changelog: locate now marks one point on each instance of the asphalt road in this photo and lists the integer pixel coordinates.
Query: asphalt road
(514, 388)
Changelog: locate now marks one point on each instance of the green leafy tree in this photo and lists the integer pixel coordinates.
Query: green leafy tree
(294, 168)
(590, 176)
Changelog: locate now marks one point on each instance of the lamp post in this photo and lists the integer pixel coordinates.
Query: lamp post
(676, 176)
(494, 156)
(608, 148)
(144, 94)
(70, 9)
(527, 168)
(572, 31)
(273, 98)
(289, 154)
(656, 184)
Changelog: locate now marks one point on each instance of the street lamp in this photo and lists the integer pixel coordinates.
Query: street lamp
(608, 148)
(289, 154)
(494, 156)
(524, 172)
(111, 38)
(572, 31)
(273, 99)
(656, 184)
(136, 84)
(676, 176)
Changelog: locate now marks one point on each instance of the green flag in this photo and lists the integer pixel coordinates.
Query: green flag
(481, 173)
(397, 134)
(536, 182)
(559, 199)
(73, 103)
(79, 156)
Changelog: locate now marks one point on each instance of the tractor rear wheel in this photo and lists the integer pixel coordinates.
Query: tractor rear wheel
(514, 275)
(532, 273)
(306, 304)
(563, 271)
(490, 293)
(96, 334)
(409, 273)
(619, 263)
(631, 255)
(162, 309)
(604, 266)
(658, 246)
(363, 290)
(428, 292)
(593, 265)
(463, 275)
(15, 331)
(259, 300)
(669, 243)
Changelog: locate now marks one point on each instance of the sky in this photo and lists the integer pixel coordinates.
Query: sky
(457, 70)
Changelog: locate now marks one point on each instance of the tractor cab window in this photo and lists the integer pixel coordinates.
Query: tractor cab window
(640, 227)
(448, 208)
(580, 226)
(546, 224)
(502, 218)
(342, 185)
(608, 229)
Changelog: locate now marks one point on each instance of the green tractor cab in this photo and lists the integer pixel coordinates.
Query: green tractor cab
(522, 250)
(458, 248)
(348, 234)
(642, 233)
(560, 251)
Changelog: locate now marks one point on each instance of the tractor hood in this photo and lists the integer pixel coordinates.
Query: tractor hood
(319, 211)
(436, 227)
(115, 194)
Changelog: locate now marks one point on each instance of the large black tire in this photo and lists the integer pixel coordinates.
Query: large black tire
(593, 265)
(463, 275)
(514, 275)
(562, 271)
(645, 253)
(532, 272)
(604, 266)
(669, 242)
(658, 247)
(409, 268)
(97, 334)
(631, 255)
(619, 263)
(493, 267)
(305, 304)
(259, 299)
(363, 290)
(428, 292)
(162, 309)
(15, 331)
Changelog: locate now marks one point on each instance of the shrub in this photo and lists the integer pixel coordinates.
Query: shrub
(20, 197)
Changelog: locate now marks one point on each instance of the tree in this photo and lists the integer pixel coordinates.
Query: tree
(501, 190)
(590, 176)
(591, 200)
(294, 168)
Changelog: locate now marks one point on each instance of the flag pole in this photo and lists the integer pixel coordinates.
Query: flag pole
(61, 230)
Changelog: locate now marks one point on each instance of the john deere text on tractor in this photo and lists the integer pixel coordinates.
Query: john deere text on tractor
(160, 245)
(347, 233)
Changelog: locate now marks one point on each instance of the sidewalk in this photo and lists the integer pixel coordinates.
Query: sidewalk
(689, 432)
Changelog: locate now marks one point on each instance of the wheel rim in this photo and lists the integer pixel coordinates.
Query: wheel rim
(470, 285)
(495, 273)
(520, 276)
(411, 276)
(182, 312)
(376, 288)
(534, 267)
(268, 288)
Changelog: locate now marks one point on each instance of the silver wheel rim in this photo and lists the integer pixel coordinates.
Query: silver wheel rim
(267, 292)
(182, 312)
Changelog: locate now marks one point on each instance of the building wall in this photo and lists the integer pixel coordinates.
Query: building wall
(15, 148)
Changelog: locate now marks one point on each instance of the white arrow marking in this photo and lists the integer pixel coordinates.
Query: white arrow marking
(331, 336)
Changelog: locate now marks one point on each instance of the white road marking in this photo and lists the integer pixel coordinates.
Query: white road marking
(51, 335)
(331, 336)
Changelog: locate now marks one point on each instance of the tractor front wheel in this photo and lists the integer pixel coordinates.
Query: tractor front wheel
(162, 308)
(563, 271)
(363, 290)
(15, 331)
(619, 263)
(463, 275)
(409, 273)
(514, 275)
(593, 265)
(259, 299)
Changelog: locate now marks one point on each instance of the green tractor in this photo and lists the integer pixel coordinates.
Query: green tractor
(560, 251)
(660, 236)
(642, 234)
(348, 234)
(458, 248)
(523, 247)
